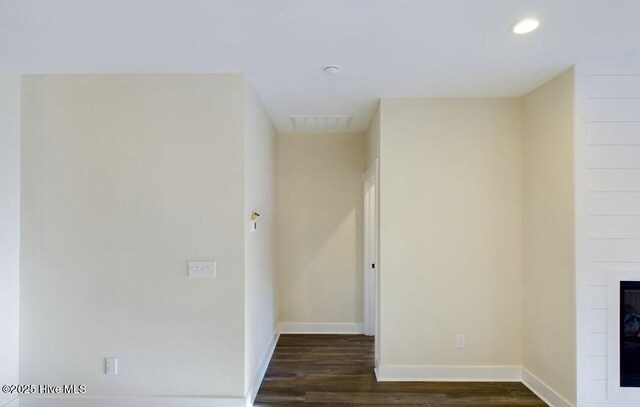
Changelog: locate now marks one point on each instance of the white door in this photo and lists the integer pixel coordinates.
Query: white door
(370, 249)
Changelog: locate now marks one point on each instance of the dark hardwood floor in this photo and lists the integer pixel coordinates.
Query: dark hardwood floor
(337, 370)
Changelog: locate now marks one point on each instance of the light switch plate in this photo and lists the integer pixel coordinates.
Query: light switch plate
(111, 366)
(202, 269)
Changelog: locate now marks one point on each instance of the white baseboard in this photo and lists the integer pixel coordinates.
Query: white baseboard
(320, 328)
(542, 390)
(262, 369)
(399, 373)
(87, 401)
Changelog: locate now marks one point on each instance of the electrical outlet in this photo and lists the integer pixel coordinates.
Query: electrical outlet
(111, 366)
(461, 341)
(202, 269)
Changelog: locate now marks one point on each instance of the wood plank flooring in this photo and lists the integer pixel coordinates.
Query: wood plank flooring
(337, 370)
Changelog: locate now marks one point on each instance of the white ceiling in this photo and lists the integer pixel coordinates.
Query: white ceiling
(386, 48)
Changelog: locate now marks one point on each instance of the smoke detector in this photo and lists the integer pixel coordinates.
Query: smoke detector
(321, 123)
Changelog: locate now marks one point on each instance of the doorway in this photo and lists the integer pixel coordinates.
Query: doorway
(371, 267)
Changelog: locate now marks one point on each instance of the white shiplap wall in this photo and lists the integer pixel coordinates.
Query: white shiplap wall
(607, 210)
(9, 230)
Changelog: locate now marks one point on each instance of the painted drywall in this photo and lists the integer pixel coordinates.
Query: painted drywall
(450, 244)
(125, 178)
(9, 230)
(260, 172)
(320, 229)
(607, 205)
(372, 138)
(548, 236)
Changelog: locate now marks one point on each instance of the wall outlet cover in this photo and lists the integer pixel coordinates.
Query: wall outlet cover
(111, 366)
(202, 269)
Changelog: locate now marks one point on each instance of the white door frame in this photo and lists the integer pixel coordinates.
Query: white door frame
(371, 261)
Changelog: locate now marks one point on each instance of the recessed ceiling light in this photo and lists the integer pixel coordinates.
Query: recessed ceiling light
(331, 70)
(525, 26)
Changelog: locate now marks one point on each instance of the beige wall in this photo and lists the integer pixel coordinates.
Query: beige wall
(450, 231)
(320, 232)
(260, 164)
(125, 178)
(548, 238)
(9, 230)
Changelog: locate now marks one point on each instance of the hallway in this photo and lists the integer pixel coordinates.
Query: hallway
(337, 370)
